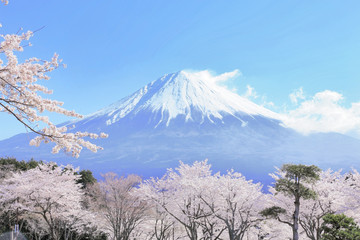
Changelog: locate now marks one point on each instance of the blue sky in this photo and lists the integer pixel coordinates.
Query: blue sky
(113, 48)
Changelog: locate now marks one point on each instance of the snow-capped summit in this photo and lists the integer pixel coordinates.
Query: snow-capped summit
(195, 96)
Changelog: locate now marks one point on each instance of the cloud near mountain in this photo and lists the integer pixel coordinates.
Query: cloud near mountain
(324, 112)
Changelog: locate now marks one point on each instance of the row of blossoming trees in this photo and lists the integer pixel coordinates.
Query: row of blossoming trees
(190, 202)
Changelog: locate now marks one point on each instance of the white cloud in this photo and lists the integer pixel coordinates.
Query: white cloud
(266, 103)
(226, 76)
(250, 92)
(212, 77)
(297, 94)
(324, 113)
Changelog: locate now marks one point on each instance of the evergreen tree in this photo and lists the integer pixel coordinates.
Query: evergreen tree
(339, 227)
(86, 178)
(11, 164)
(291, 184)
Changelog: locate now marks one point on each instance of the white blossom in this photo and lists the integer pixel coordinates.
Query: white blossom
(47, 196)
(21, 96)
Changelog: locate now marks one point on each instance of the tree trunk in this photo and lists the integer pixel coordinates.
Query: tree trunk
(231, 235)
(194, 234)
(296, 219)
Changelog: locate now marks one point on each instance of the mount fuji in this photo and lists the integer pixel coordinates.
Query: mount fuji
(186, 117)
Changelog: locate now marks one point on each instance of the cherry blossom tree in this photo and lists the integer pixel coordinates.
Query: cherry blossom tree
(352, 179)
(158, 225)
(178, 194)
(117, 207)
(332, 197)
(206, 205)
(51, 193)
(235, 201)
(37, 226)
(163, 225)
(268, 229)
(21, 96)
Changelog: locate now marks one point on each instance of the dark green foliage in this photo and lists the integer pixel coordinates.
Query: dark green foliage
(86, 178)
(295, 174)
(15, 165)
(272, 212)
(291, 189)
(301, 172)
(339, 227)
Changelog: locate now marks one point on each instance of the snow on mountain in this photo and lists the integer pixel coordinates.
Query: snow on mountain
(184, 93)
(189, 116)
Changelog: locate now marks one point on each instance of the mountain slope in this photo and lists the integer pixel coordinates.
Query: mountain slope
(192, 95)
(188, 116)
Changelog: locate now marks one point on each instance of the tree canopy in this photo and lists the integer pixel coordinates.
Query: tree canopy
(340, 227)
(290, 183)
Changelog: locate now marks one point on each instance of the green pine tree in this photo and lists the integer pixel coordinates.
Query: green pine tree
(291, 185)
(339, 227)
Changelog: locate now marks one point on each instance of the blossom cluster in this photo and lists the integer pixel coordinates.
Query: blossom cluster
(21, 96)
(47, 196)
